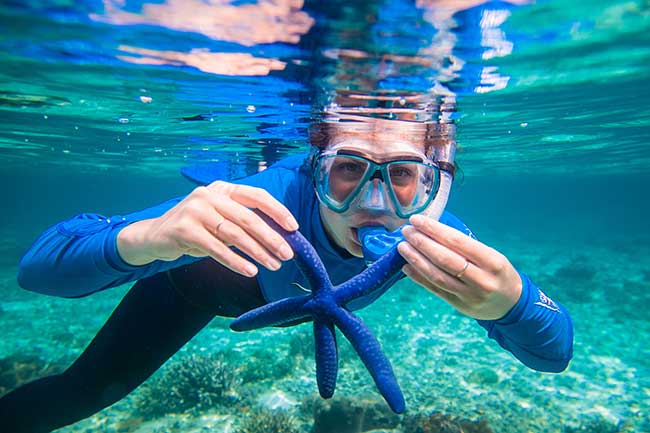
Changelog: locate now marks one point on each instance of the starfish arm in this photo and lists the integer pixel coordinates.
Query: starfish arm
(369, 350)
(377, 275)
(327, 360)
(305, 255)
(275, 313)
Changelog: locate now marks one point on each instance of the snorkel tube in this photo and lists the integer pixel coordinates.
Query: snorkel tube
(444, 155)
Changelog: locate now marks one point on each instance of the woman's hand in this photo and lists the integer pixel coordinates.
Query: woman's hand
(476, 279)
(208, 222)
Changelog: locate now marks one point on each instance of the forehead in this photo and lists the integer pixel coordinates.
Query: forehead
(377, 137)
(378, 149)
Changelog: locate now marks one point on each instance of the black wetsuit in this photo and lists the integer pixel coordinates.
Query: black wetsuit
(154, 320)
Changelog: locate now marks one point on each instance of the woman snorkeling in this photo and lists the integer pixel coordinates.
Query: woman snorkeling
(199, 256)
(209, 253)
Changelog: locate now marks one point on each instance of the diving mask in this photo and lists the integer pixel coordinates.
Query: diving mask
(345, 178)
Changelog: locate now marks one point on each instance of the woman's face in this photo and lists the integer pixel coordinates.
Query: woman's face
(342, 227)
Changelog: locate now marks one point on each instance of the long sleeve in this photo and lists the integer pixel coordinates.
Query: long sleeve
(537, 330)
(79, 256)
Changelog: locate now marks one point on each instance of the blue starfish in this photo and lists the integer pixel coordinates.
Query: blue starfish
(326, 305)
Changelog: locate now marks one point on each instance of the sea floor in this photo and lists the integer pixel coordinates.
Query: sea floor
(443, 360)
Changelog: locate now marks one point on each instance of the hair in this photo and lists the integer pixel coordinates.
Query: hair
(436, 138)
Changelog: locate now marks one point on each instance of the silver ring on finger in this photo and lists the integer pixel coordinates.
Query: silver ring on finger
(462, 271)
(218, 226)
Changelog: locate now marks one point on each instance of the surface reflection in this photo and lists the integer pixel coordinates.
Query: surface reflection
(242, 64)
(263, 22)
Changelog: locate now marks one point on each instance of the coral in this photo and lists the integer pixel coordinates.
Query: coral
(351, 415)
(18, 369)
(442, 423)
(483, 376)
(301, 344)
(263, 364)
(577, 270)
(573, 281)
(595, 424)
(267, 421)
(193, 383)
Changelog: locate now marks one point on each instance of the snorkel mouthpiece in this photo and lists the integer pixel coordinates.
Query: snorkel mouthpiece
(376, 241)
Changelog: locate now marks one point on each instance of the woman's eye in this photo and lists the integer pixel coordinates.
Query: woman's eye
(349, 169)
(401, 172)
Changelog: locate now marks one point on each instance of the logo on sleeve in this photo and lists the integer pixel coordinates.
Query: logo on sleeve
(546, 302)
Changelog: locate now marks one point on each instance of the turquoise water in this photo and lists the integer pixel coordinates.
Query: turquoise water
(553, 124)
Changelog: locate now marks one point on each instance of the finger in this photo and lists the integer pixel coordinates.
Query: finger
(433, 273)
(259, 198)
(416, 276)
(231, 234)
(447, 260)
(252, 224)
(476, 252)
(223, 254)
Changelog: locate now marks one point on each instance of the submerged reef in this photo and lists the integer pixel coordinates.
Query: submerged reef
(351, 415)
(267, 421)
(191, 384)
(261, 365)
(441, 423)
(573, 281)
(595, 424)
(18, 369)
(301, 345)
(483, 376)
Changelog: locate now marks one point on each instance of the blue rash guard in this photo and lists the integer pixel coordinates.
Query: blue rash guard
(79, 256)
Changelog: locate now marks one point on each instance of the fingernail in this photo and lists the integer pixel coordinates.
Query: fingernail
(291, 223)
(285, 252)
(250, 270)
(272, 264)
(403, 248)
(417, 220)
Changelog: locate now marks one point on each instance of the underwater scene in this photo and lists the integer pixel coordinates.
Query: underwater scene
(105, 104)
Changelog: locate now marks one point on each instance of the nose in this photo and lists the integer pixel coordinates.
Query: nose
(374, 197)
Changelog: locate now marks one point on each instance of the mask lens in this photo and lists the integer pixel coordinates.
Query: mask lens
(345, 175)
(412, 185)
(339, 178)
